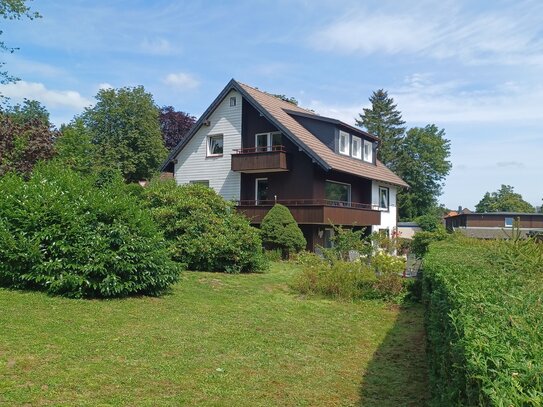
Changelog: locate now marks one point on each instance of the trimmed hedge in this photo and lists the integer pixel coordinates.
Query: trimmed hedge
(484, 322)
(62, 234)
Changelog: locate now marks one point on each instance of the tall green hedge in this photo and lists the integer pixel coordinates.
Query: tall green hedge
(279, 230)
(62, 234)
(484, 321)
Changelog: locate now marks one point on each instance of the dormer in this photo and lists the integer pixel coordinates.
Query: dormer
(356, 146)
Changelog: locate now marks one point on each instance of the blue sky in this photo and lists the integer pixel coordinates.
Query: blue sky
(474, 68)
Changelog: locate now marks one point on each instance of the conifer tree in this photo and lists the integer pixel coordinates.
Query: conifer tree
(384, 121)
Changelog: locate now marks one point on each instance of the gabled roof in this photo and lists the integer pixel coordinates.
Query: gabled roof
(279, 113)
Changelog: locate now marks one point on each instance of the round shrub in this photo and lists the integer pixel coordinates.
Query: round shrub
(62, 234)
(204, 230)
(279, 230)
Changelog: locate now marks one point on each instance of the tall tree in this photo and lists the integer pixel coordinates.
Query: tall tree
(75, 149)
(12, 10)
(422, 161)
(22, 145)
(125, 129)
(28, 112)
(504, 200)
(384, 120)
(174, 126)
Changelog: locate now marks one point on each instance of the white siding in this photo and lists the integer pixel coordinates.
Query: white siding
(192, 162)
(388, 218)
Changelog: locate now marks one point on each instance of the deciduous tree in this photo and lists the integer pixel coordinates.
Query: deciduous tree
(503, 200)
(174, 125)
(125, 129)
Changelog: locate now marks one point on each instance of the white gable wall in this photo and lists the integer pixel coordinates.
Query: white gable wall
(192, 162)
(388, 218)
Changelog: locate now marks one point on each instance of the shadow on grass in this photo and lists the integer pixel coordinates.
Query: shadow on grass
(397, 374)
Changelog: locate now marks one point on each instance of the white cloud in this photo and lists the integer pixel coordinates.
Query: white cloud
(182, 80)
(507, 36)
(21, 90)
(105, 85)
(158, 46)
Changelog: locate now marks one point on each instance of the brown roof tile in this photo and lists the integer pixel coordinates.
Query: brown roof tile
(276, 108)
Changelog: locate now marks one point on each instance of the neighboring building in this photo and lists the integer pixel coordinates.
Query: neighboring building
(407, 230)
(495, 225)
(257, 149)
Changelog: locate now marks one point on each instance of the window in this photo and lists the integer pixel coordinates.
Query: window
(343, 143)
(337, 192)
(233, 101)
(261, 190)
(201, 182)
(356, 147)
(383, 198)
(508, 222)
(266, 141)
(368, 151)
(214, 145)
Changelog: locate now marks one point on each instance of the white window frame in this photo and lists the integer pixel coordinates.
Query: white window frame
(367, 157)
(506, 223)
(208, 144)
(256, 188)
(343, 135)
(269, 139)
(384, 208)
(358, 141)
(233, 101)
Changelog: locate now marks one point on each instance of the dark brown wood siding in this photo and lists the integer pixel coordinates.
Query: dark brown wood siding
(267, 161)
(489, 220)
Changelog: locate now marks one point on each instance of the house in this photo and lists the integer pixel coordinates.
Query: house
(495, 225)
(407, 230)
(257, 149)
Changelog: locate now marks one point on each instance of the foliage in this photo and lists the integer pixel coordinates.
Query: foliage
(23, 144)
(125, 129)
(279, 230)
(205, 232)
(503, 200)
(174, 125)
(422, 162)
(351, 280)
(13, 10)
(429, 222)
(61, 234)
(285, 98)
(347, 239)
(421, 240)
(75, 149)
(384, 121)
(29, 112)
(483, 319)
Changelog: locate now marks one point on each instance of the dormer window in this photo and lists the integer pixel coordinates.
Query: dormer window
(343, 143)
(368, 151)
(356, 147)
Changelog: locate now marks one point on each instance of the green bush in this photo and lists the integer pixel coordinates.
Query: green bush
(346, 239)
(421, 241)
(61, 234)
(205, 231)
(279, 230)
(484, 313)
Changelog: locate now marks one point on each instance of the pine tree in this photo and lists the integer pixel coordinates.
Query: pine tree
(384, 121)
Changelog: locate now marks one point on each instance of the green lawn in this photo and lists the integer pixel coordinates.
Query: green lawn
(216, 340)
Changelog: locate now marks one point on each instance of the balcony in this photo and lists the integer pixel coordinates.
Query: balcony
(316, 211)
(260, 159)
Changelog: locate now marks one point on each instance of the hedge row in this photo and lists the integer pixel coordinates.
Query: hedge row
(484, 322)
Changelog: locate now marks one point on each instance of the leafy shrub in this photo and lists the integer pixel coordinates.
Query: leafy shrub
(205, 231)
(484, 313)
(279, 230)
(347, 239)
(429, 222)
(422, 240)
(384, 263)
(61, 234)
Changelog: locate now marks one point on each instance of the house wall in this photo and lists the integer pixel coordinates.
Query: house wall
(498, 220)
(192, 161)
(388, 218)
(325, 132)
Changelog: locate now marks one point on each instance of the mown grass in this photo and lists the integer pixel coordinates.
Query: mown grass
(215, 340)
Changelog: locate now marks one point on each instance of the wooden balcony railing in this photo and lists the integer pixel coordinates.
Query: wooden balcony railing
(260, 159)
(308, 202)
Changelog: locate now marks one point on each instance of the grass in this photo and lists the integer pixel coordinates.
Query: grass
(216, 340)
